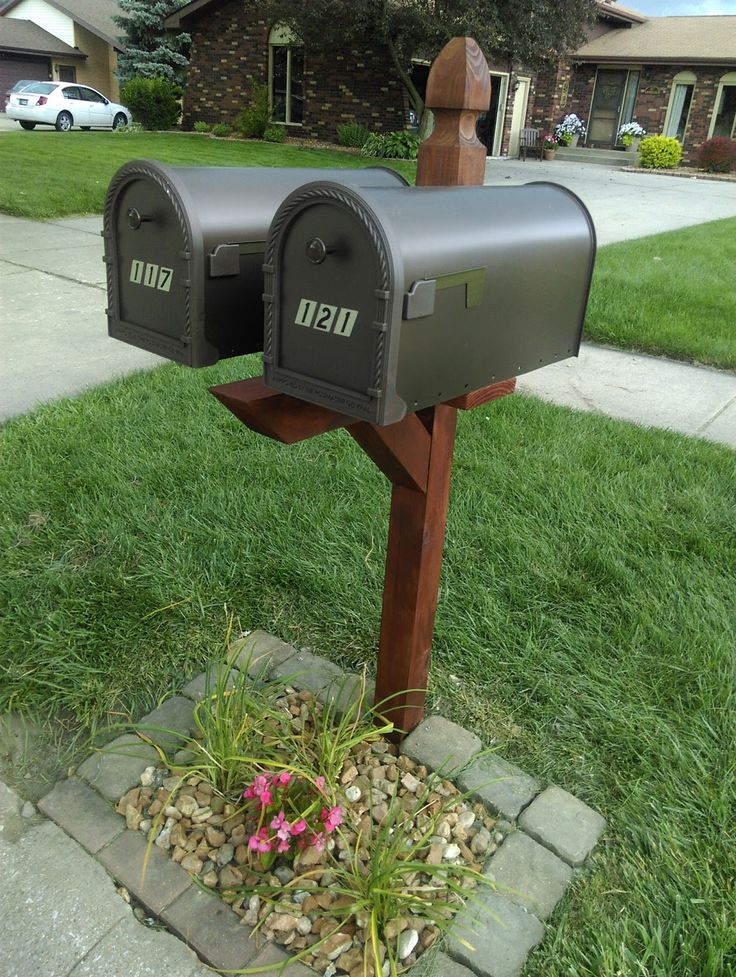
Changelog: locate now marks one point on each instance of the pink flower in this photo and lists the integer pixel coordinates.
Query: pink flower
(331, 818)
(260, 841)
(298, 827)
(282, 779)
(319, 783)
(318, 841)
(282, 846)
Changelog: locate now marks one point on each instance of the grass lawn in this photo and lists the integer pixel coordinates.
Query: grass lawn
(586, 619)
(670, 294)
(49, 174)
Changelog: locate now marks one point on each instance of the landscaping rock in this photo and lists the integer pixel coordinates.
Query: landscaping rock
(502, 944)
(118, 767)
(530, 875)
(307, 671)
(441, 745)
(258, 653)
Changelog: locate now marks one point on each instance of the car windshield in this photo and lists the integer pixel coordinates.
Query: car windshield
(41, 88)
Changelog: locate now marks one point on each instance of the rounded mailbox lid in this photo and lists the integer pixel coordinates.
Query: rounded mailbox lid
(329, 286)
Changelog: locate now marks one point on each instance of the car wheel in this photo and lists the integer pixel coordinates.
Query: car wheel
(119, 121)
(64, 122)
(85, 128)
(28, 125)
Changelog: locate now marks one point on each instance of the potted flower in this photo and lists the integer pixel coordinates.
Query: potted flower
(570, 130)
(549, 146)
(630, 135)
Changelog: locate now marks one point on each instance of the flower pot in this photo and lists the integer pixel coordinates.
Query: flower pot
(550, 153)
(634, 146)
(575, 137)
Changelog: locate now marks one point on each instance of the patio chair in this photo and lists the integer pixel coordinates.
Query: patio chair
(529, 142)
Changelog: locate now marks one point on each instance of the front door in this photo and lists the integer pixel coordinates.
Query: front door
(610, 85)
(518, 114)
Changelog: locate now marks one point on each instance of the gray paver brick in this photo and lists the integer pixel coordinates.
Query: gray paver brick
(438, 743)
(504, 788)
(536, 878)
(82, 813)
(503, 936)
(343, 692)
(12, 825)
(118, 767)
(439, 965)
(307, 671)
(205, 683)
(211, 928)
(564, 824)
(272, 954)
(56, 903)
(133, 950)
(260, 652)
(175, 716)
(163, 880)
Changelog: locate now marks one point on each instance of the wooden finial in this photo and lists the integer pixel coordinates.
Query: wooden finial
(458, 89)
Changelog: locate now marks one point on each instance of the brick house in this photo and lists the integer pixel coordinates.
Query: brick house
(313, 92)
(674, 75)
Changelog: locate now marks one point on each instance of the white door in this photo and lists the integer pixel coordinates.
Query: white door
(518, 115)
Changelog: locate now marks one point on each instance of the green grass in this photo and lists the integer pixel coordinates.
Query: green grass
(670, 294)
(49, 174)
(587, 610)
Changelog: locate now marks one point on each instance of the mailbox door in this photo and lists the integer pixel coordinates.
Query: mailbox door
(328, 305)
(150, 270)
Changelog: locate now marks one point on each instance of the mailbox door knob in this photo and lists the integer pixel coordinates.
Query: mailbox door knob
(135, 218)
(317, 251)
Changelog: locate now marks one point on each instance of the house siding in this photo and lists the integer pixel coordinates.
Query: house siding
(98, 69)
(46, 16)
(229, 54)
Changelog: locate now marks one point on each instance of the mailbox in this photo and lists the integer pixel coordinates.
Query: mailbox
(184, 252)
(381, 301)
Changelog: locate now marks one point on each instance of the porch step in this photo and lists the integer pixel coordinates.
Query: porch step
(604, 157)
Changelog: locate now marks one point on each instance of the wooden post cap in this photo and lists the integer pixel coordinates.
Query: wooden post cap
(459, 78)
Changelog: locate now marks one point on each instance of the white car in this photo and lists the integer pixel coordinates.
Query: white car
(64, 105)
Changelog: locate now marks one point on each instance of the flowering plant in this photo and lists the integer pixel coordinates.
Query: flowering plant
(570, 126)
(629, 132)
(549, 142)
(308, 821)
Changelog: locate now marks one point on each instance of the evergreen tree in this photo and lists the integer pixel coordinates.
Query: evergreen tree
(151, 51)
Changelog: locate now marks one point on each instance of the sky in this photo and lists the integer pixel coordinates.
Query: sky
(671, 8)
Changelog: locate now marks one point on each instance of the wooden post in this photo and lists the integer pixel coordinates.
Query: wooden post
(416, 453)
(458, 89)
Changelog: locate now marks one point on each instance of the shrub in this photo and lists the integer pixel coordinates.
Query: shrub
(222, 129)
(275, 134)
(352, 134)
(253, 121)
(154, 102)
(717, 155)
(201, 126)
(660, 152)
(392, 145)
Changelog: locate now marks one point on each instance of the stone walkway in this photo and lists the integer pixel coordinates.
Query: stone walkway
(63, 915)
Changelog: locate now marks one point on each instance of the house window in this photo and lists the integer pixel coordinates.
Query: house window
(286, 76)
(723, 122)
(681, 97)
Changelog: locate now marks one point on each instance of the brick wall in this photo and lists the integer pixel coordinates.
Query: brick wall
(230, 53)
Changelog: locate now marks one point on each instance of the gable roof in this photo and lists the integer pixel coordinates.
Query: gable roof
(25, 37)
(613, 11)
(671, 40)
(95, 15)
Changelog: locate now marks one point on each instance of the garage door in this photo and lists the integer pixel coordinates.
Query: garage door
(13, 69)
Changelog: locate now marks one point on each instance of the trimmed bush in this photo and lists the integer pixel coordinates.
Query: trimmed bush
(154, 102)
(222, 129)
(717, 155)
(660, 152)
(391, 145)
(253, 121)
(275, 134)
(352, 134)
(201, 126)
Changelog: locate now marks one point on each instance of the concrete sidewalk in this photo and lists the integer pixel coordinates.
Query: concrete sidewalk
(53, 332)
